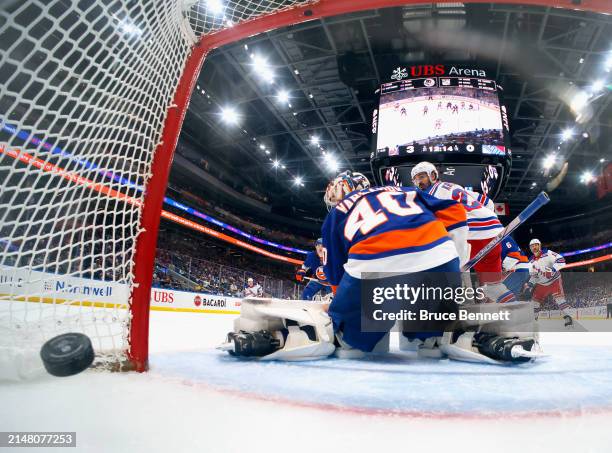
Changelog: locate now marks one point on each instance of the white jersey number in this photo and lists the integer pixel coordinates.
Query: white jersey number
(363, 218)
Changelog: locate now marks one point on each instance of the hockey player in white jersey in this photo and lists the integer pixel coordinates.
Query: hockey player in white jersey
(252, 289)
(546, 276)
(483, 224)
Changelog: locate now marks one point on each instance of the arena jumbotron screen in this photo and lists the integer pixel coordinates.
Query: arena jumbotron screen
(440, 114)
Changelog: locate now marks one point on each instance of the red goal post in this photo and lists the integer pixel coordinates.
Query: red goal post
(165, 40)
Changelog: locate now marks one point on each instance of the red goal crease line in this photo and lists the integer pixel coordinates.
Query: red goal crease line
(28, 159)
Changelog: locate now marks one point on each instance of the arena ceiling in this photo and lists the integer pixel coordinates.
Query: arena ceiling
(264, 109)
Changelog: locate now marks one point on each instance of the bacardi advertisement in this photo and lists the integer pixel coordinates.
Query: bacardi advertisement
(172, 300)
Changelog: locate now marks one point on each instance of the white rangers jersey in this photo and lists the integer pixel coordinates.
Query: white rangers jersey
(253, 291)
(481, 218)
(545, 268)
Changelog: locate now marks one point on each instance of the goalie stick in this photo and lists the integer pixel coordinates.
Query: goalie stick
(536, 204)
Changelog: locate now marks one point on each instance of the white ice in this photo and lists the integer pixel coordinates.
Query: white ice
(173, 408)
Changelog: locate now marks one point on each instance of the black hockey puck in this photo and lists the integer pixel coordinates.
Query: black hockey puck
(67, 354)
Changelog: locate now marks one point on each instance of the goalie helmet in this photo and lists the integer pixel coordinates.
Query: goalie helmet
(534, 241)
(425, 167)
(342, 185)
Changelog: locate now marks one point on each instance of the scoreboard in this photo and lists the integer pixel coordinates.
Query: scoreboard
(430, 82)
(451, 116)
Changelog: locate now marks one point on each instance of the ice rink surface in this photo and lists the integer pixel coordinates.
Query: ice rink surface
(196, 399)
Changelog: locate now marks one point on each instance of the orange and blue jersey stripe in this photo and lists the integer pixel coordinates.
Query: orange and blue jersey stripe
(391, 229)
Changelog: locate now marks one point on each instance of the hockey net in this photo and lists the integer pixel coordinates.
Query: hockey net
(87, 90)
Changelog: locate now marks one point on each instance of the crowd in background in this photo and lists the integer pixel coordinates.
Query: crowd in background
(194, 263)
(587, 292)
(581, 241)
(244, 222)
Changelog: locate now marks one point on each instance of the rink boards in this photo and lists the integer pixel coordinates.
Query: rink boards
(33, 286)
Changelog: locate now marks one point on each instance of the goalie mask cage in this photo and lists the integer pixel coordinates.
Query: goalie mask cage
(93, 95)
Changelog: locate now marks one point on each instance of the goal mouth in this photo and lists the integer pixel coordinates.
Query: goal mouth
(94, 96)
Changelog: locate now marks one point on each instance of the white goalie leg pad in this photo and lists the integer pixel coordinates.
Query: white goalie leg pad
(273, 314)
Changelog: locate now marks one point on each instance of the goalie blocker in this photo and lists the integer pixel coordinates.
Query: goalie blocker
(273, 329)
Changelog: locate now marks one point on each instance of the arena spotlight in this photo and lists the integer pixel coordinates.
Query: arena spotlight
(298, 181)
(598, 85)
(229, 115)
(608, 63)
(579, 102)
(268, 152)
(129, 28)
(586, 177)
(549, 161)
(262, 147)
(275, 163)
(262, 68)
(283, 97)
(214, 6)
(332, 163)
(314, 140)
(567, 134)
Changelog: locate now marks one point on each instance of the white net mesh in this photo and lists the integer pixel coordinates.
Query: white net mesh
(85, 87)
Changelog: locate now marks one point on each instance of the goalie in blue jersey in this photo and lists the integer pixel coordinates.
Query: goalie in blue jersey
(378, 230)
(384, 229)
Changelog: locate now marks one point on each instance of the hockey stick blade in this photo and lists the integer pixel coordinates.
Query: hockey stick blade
(536, 204)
